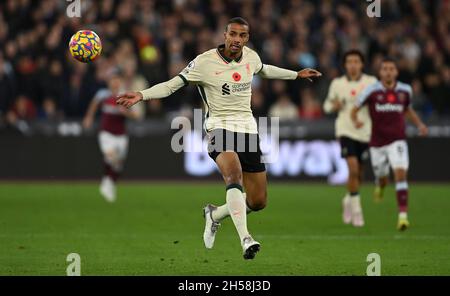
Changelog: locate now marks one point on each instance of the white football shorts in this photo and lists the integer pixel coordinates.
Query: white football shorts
(117, 144)
(394, 155)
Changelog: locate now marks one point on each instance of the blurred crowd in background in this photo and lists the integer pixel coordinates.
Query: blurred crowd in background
(152, 41)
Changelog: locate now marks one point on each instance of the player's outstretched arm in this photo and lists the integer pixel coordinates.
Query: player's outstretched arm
(157, 91)
(412, 115)
(274, 72)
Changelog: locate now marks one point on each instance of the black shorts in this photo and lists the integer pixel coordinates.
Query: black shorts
(350, 147)
(245, 145)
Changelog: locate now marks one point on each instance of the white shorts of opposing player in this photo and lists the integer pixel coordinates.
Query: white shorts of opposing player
(394, 155)
(114, 149)
(115, 145)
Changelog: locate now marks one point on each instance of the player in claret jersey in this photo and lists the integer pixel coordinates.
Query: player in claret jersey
(112, 137)
(389, 102)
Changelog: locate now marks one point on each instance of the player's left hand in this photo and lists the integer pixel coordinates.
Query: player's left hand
(308, 73)
(423, 130)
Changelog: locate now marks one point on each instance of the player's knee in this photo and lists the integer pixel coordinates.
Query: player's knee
(117, 165)
(111, 157)
(383, 181)
(353, 169)
(257, 206)
(353, 174)
(233, 177)
(258, 202)
(400, 178)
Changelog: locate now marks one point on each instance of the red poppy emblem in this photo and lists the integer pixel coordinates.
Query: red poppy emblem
(391, 98)
(353, 92)
(236, 76)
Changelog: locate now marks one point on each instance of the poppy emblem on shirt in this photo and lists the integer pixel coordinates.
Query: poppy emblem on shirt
(353, 92)
(236, 76)
(391, 98)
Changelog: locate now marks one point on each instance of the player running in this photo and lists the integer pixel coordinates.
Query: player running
(223, 76)
(389, 102)
(112, 137)
(341, 98)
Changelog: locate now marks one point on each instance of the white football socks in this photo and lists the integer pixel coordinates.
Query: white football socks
(356, 203)
(222, 211)
(238, 212)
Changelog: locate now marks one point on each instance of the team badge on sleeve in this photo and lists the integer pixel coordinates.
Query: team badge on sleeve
(190, 66)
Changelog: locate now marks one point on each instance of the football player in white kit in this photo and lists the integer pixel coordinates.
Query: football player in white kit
(354, 142)
(223, 76)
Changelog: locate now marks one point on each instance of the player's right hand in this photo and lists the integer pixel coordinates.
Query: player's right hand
(87, 122)
(129, 99)
(337, 105)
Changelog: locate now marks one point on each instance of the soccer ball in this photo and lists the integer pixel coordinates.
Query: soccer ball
(85, 46)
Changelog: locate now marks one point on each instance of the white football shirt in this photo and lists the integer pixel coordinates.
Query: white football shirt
(225, 86)
(346, 91)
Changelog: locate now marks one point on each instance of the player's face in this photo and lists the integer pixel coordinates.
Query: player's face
(353, 65)
(236, 37)
(114, 85)
(388, 72)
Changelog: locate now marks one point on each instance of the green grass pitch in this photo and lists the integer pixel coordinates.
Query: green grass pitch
(156, 229)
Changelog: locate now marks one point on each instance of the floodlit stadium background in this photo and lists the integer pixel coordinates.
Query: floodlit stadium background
(45, 92)
(50, 167)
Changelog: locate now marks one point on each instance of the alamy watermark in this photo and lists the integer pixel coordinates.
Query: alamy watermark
(74, 268)
(74, 8)
(374, 8)
(374, 268)
(222, 139)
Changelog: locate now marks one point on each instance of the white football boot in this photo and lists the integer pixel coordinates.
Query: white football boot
(250, 247)
(211, 226)
(108, 189)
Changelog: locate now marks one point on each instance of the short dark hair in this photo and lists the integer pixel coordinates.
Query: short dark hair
(353, 52)
(389, 60)
(237, 20)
